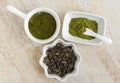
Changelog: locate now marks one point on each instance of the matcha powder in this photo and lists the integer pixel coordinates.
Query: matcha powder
(77, 27)
(42, 25)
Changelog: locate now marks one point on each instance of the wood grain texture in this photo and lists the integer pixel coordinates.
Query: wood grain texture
(19, 56)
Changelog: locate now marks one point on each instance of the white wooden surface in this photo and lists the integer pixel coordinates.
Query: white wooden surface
(19, 56)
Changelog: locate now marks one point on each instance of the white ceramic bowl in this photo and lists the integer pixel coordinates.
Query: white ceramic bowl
(73, 14)
(27, 17)
(31, 13)
(79, 59)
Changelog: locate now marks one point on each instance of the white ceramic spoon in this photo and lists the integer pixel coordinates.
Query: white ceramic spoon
(103, 38)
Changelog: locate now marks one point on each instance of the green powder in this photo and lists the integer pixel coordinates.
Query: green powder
(77, 27)
(42, 25)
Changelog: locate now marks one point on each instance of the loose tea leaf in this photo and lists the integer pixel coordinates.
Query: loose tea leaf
(60, 60)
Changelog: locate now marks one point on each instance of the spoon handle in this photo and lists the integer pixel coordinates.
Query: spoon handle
(16, 11)
(103, 38)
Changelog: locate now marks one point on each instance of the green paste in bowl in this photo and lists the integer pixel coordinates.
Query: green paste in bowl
(77, 27)
(42, 25)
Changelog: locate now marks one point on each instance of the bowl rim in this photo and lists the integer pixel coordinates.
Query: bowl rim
(79, 59)
(84, 13)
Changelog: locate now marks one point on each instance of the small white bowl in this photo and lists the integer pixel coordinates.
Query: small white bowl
(74, 14)
(31, 13)
(27, 17)
(79, 59)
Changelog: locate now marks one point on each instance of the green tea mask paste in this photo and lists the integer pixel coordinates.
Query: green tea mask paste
(77, 27)
(42, 25)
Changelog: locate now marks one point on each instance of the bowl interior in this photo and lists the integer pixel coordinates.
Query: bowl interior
(67, 36)
(45, 67)
(30, 14)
